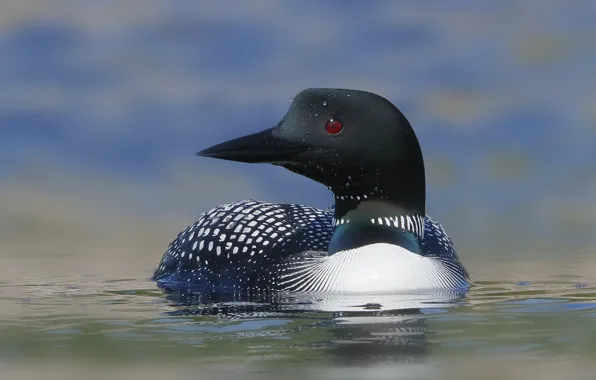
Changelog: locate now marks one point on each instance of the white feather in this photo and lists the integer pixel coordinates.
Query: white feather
(376, 268)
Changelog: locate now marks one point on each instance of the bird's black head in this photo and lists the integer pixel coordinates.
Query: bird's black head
(355, 142)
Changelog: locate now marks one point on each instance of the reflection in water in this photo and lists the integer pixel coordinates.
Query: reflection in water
(395, 336)
(413, 336)
(355, 330)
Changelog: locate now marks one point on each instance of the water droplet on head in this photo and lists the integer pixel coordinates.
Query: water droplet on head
(324, 104)
(316, 114)
(348, 93)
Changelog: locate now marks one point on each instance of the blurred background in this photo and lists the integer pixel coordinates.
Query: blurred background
(103, 105)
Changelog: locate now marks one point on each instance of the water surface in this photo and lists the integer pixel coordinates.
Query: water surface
(129, 325)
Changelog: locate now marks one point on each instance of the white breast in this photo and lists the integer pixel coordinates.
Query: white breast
(376, 268)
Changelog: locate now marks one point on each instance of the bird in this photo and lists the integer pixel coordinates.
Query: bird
(375, 239)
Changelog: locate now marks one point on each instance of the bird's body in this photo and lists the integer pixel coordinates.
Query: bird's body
(250, 245)
(376, 239)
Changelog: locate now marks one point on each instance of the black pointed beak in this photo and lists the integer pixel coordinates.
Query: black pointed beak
(263, 146)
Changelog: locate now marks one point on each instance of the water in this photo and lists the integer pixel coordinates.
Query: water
(129, 326)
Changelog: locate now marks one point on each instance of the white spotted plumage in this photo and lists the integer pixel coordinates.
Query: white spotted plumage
(250, 244)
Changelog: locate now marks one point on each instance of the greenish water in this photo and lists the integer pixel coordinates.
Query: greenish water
(129, 322)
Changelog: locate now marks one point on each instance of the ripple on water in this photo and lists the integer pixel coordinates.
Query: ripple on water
(113, 321)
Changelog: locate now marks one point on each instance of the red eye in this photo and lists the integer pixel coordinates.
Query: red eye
(334, 126)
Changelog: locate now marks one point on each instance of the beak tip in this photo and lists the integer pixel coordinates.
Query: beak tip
(261, 147)
(204, 153)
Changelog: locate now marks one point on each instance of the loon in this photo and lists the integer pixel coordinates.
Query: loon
(376, 239)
